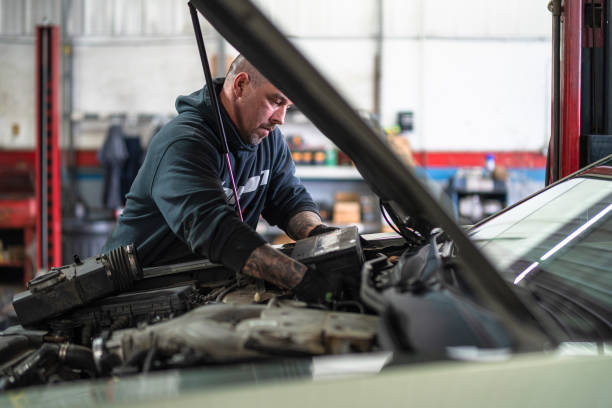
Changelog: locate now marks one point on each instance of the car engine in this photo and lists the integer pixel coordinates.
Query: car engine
(106, 315)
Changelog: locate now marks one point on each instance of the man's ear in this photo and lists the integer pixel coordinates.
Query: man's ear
(240, 83)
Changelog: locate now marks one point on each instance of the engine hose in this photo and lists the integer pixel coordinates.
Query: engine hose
(368, 294)
(73, 356)
(121, 274)
(45, 355)
(76, 356)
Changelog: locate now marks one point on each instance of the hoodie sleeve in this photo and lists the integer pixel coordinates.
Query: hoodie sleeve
(286, 196)
(188, 193)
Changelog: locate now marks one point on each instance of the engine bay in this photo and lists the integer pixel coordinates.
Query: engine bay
(187, 314)
(110, 317)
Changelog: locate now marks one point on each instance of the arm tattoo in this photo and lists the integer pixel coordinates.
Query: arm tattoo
(273, 266)
(301, 224)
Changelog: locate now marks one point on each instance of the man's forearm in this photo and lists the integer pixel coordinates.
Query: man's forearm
(301, 224)
(275, 267)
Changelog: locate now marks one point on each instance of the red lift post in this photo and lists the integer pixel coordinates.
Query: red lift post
(570, 87)
(582, 78)
(48, 187)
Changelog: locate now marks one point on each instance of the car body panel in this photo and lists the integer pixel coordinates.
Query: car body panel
(531, 380)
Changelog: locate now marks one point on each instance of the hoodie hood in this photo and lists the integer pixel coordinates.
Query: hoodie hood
(198, 104)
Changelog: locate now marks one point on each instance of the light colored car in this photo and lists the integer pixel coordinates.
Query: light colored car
(524, 296)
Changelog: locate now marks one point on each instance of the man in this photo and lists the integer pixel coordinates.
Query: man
(182, 204)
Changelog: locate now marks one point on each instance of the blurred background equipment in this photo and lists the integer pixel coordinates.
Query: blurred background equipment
(479, 192)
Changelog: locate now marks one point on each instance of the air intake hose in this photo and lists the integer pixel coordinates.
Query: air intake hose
(77, 284)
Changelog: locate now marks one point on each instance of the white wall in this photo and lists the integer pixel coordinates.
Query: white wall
(134, 78)
(17, 95)
(476, 73)
(471, 95)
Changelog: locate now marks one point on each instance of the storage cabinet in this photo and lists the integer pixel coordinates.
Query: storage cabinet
(17, 222)
(476, 196)
(17, 232)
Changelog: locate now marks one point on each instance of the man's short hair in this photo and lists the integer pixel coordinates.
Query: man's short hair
(241, 64)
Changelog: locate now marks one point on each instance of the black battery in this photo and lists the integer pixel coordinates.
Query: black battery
(338, 254)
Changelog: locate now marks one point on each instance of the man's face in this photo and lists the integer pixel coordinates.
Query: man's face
(259, 109)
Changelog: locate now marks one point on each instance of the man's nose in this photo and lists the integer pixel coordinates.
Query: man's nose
(278, 117)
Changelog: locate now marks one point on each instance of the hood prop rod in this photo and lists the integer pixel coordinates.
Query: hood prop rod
(214, 100)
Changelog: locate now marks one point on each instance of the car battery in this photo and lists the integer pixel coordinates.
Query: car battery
(338, 254)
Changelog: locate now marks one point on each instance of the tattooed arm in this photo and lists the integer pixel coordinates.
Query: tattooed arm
(302, 223)
(275, 267)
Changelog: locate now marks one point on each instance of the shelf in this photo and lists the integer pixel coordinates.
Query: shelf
(17, 212)
(468, 186)
(327, 173)
(11, 264)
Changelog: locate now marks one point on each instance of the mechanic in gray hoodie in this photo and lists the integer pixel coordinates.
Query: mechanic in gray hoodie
(182, 205)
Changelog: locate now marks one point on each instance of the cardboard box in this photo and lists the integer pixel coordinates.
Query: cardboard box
(347, 208)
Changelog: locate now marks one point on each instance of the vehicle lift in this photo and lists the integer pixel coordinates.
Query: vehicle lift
(582, 86)
(47, 156)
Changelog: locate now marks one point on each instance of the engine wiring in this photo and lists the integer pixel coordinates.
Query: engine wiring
(389, 223)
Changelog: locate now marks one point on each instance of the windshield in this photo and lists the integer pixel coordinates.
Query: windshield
(563, 235)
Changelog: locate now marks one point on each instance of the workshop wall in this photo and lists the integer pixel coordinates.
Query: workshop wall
(17, 95)
(475, 73)
(17, 80)
(110, 79)
(493, 97)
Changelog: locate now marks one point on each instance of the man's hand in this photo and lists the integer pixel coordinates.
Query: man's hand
(301, 224)
(275, 267)
(313, 287)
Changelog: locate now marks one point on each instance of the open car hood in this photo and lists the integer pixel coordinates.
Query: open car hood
(253, 35)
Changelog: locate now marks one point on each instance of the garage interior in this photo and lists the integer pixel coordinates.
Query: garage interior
(459, 155)
(460, 90)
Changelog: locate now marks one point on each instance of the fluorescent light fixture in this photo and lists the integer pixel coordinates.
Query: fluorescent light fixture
(525, 272)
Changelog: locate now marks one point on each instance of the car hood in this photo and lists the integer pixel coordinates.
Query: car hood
(253, 35)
